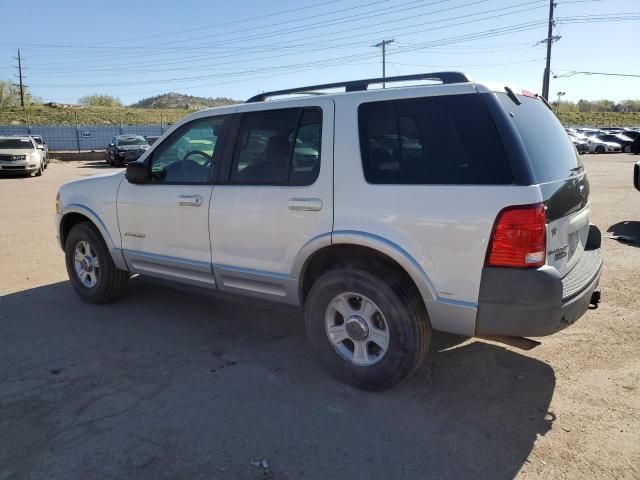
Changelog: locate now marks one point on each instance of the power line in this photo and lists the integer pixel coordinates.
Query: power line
(573, 73)
(321, 44)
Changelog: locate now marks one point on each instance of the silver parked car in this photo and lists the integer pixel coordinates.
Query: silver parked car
(385, 213)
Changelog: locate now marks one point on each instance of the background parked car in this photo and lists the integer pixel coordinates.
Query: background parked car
(624, 140)
(599, 145)
(615, 138)
(125, 148)
(635, 146)
(151, 139)
(20, 155)
(42, 145)
(579, 142)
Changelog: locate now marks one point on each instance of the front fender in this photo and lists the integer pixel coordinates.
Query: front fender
(116, 252)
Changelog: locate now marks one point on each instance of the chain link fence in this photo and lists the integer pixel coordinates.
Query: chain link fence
(82, 137)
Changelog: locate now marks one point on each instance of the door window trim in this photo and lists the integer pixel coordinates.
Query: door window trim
(218, 152)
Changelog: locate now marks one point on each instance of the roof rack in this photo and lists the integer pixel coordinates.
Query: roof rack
(361, 85)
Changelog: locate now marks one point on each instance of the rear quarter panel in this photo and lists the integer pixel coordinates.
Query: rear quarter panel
(445, 229)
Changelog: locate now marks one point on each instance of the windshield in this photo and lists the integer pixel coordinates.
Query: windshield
(15, 144)
(131, 141)
(552, 154)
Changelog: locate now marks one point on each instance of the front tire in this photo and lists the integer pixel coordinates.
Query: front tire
(600, 149)
(39, 171)
(368, 332)
(90, 266)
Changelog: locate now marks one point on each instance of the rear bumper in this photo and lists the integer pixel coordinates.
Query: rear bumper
(535, 303)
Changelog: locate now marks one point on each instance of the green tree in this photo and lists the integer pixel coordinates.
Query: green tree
(100, 100)
(10, 95)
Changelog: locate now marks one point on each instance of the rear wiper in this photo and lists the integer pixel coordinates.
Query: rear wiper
(544, 100)
(512, 96)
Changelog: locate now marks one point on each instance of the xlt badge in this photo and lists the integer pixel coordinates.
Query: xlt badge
(559, 253)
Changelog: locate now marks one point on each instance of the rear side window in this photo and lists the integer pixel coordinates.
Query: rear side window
(553, 156)
(278, 147)
(432, 141)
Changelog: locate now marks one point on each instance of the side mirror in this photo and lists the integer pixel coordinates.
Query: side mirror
(40, 147)
(138, 172)
(111, 144)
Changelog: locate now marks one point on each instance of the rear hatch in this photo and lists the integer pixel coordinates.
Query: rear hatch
(562, 178)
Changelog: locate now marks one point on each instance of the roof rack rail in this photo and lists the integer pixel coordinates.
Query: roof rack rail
(361, 85)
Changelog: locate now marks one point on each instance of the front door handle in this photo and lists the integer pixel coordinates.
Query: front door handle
(190, 200)
(305, 204)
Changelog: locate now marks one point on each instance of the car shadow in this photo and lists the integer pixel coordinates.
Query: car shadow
(171, 383)
(627, 232)
(96, 164)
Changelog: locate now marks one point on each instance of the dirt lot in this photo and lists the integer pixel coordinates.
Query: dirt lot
(168, 383)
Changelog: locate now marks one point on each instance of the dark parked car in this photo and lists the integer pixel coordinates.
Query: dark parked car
(635, 146)
(124, 149)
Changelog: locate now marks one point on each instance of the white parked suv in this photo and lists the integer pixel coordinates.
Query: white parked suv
(21, 155)
(386, 213)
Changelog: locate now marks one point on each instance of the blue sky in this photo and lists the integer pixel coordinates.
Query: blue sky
(134, 49)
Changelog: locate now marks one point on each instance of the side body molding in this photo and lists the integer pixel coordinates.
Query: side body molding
(116, 251)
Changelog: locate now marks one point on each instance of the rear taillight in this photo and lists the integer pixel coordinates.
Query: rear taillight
(519, 237)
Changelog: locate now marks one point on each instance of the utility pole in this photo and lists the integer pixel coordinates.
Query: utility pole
(550, 39)
(383, 44)
(20, 85)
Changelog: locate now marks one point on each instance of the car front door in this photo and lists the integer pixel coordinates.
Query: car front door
(164, 224)
(274, 196)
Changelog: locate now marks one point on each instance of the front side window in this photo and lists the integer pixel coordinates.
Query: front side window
(431, 141)
(188, 154)
(278, 147)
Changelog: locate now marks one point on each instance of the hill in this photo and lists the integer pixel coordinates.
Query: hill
(179, 100)
(55, 115)
(66, 115)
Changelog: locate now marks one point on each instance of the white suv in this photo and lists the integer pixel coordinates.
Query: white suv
(21, 155)
(386, 213)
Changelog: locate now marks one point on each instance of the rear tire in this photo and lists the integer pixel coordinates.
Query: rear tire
(627, 149)
(400, 315)
(97, 280)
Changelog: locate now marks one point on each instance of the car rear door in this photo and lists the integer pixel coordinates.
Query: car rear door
(273, 197)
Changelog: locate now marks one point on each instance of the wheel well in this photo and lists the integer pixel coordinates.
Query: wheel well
(351, 255)
(69, 221)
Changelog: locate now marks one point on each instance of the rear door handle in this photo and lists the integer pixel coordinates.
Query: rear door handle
(190, 200)
(305, 204)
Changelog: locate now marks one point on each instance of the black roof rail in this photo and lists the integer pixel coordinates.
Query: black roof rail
(361, 85)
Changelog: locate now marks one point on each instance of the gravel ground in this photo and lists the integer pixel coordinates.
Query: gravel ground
(169, 383)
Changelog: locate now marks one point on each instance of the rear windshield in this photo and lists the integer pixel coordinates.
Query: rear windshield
(552, 154)
(131, 141)
(432, 141)
(15, 144)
